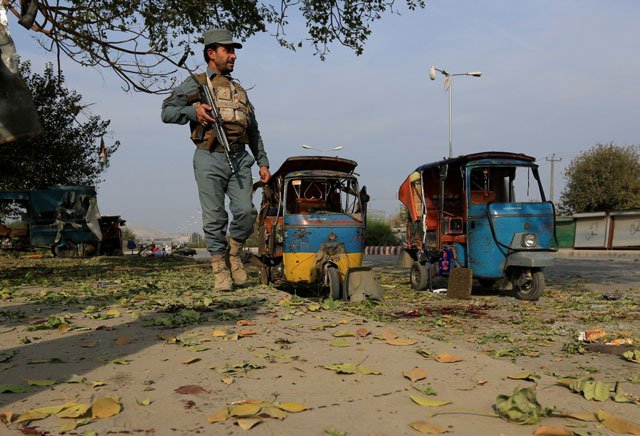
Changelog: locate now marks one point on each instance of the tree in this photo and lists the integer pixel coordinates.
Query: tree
(606, 177)
(67, 153)
(380, 233)
(139, 39)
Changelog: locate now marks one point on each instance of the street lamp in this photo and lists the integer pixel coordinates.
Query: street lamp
(308, 147)
(448, 84)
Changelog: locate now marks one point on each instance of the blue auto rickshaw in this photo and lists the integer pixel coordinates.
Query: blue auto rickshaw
(486, 212)
(312, 227)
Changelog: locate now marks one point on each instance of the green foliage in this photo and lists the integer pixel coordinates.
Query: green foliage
(379, 233)
(521, 407)
(606, 177)
(67, 153)
(138, 39)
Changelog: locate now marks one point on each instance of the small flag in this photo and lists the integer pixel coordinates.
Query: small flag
(104, 157)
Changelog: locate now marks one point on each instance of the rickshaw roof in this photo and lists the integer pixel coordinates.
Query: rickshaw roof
(303, 163)
(319, 173)
(461, 160)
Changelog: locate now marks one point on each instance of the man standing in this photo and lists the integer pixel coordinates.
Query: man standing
(212, 172)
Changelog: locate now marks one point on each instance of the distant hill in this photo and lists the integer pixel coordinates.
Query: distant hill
(145, 233)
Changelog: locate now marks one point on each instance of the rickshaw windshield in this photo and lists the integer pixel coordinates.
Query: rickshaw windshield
(322, 195)
(505, 184)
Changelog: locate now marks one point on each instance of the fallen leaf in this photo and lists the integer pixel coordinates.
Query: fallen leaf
(248, 424)
(386, 336)
(115, 313)
(428, 402)
(145, 402)
(75, 378)
(342, 334)
(425, 427)
(123, 340)
(424, 353)
(292, 407)
(343, 368)
(227, 380)
(582, 416)
(547, 430)
(192, 360)
(245, 333)
(362, 332)
(617, 424)
(529, 376)
(245, 322)
(415, 374)
(73, 410)
(120, 361)
(273, 412)
(447, 358)
(219, 416)
(6, 417)
(47, 382)
(314, 307)
(219, 333)
(105, 407)
(244, 410)
(632, 356)
(97, 383)
(368, 371)
(401, 341)
(521, 407)
(14, 389)
(40, 413)
(63, 328)
(340, 343)
(190, 390)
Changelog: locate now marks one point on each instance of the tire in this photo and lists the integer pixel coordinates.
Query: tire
(419, 276)
(67, 250)
(528, 284)
(333, 280)
(264, 276)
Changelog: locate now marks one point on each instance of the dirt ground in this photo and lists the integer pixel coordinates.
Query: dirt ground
(170, 356)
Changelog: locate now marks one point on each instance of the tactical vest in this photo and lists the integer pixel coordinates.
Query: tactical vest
(234, 108)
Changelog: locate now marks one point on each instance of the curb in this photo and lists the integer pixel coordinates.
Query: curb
(383, 251)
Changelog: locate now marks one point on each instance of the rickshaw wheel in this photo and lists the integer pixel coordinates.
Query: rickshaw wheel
(68, 250)
(529, 284)
(263, 275)
(333, 279)
(419, 276)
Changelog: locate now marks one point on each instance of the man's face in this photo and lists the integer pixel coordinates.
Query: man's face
(222, 59)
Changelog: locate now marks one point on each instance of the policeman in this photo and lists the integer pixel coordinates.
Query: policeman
(212, 172)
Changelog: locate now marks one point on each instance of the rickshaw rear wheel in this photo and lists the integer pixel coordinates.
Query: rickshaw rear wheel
(264, 276)
(333, 279)
(66, 250)
(419, 276)
(528, 284)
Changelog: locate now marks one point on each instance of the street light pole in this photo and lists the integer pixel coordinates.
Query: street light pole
(448, 86)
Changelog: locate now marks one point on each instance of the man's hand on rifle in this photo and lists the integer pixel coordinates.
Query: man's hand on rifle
(202, 114)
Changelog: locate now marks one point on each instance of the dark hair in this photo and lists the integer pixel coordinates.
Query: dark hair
(213, 47)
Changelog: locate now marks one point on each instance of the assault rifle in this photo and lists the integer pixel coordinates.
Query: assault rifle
(206, 96)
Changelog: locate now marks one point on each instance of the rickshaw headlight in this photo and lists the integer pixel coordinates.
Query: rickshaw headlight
(529, 240)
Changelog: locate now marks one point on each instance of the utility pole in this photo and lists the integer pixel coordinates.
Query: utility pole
(553, 160)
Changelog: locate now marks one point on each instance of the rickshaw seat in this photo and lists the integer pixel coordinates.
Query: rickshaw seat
(462, 239)
(307, 205)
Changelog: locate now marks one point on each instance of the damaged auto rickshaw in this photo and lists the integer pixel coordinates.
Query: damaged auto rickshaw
(484, 215)
(312, 228)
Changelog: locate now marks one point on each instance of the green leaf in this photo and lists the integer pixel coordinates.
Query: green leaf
(343, 368)
(47, 382)
(340, 343)
(592, 389)
(521, 407)
(632, 356)
(14, 389)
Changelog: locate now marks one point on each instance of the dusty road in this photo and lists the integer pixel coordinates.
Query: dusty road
(170, 355)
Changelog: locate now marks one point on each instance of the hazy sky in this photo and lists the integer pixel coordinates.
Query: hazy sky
(557, 77)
